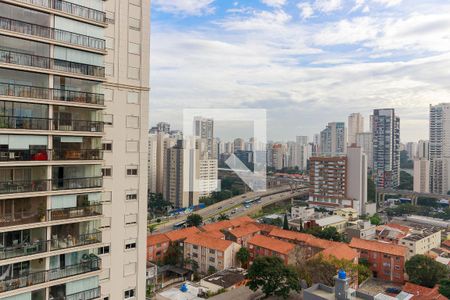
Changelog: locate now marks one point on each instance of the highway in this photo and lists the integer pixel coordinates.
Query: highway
(235, 204)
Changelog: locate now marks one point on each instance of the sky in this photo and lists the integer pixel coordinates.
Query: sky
(307, 62)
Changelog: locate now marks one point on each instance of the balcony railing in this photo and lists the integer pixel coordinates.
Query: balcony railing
(76, 183)
(83, 154)
(23, 249)
(29, 60)
(18, 122)
(24, 155)
(75, 212)
(19, 218)
(24, 186)
(77, 125)
(69, 241)
(70, 8)
(52, 33)
(33, 278)
(84, 295)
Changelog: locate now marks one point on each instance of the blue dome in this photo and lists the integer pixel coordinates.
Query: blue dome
(342, 274)
(183, 288)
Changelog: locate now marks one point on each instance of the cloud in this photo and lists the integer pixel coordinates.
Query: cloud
(256, 20)
(306, 10)
(388, 3)
(274, 3)
(185, 7)
(327, 6)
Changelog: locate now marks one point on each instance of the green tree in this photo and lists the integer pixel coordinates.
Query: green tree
(243, 256)
(152, 228)
(285, 222)
(194, 220)
(371, 190)
(223, 217)
(405, 162)
(174, 255)
(444, 287)
(406, 181)
(375, 219)
(424, 270)
(211, 270)
(269, 274)
(157, 205)
(329, 233)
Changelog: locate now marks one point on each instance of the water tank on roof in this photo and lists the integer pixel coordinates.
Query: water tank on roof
(184, 288)
(342, 274)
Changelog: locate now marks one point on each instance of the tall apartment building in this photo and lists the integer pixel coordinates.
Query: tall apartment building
(365, 141)
(423, 150)
(386, 148)
(357, 178)
(355, 126)
(204, 129)
(333, 139)
(440, 148)
(278, 156)
(74, 97)
(411, 149)
(158, 143)
(238, 144)
(421, 175)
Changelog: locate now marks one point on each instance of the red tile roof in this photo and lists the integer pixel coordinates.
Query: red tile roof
(302, 237)
(203, 240)
(340, 251)
(181, 234)
(271, 244)
(241, 220)
(405, 229)
(245, 230)
(214, 234)
(421, 292)
(377, 246)
(265, 227)
(446, 243)
(157, 239)
(217, 226)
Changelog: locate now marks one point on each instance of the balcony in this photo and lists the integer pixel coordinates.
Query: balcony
(77, 125)
(52, 33)
(70, 8)
(76, 183)
(29, 60)
(26, 91)
(75, 212)
(22, 211)
(24, 155)
(59, 293)
(18, 122)
(25, 278)
(22, 242)
(24, 186)
(64, 239)
(23, 249)
(83, 154)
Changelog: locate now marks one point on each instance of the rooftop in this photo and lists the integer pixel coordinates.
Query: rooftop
(226, 278)
(327, 221)
(244, 230)
(421, 292)
(378, 246)
(215, 234)
(181, 234)
(217, 226)
(271, 244)
(209, 242)
(157, 239)
(340, 251)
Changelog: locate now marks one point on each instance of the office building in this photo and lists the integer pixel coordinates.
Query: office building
(421, 175)
(333, 139)
(355, 126)
(440, 148)
(365, 141)
(239, 145)
(386, 148)
(69, 117)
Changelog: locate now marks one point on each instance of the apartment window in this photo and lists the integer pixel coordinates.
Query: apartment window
(132, 146)
(131, 195)
(132, 171)
(131, 219)
(212, 259)
(194, 255)
(132, 122)
(103, 250)
(130, 245)
(129, 269)
(109, 94)
(133, 98)
(107, 172)
(108, 119)
(212, 251)
(195, 247)
(134, 23)
(107, 146)
(397, 267)
(131, 293)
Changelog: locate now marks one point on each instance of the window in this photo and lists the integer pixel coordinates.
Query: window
(132, 171)
(130, 245)
(195, 247)
(131, 219)
(128, 294)
(131, 195)
(194, 255)
(132, 146)
(103, 250)
(132, 122)
(107, 171)
(108, 119)
(107, 146)
(134, 48)
(212, 259)
(212, 251)
(133, 98)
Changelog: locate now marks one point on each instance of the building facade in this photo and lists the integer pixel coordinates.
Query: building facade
(421, 175)
(72, 114)
(333, 139)
(365, 141)
(355, 126)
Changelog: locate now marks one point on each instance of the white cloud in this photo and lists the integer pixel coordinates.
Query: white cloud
(306, 10)
(185, 7)
(388, 3)
(358, 5)
(327, 6)
(274, 3)
(256, 20)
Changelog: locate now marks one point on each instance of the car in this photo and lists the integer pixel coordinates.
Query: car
(244, 196)
(220, 207)
(393, 290)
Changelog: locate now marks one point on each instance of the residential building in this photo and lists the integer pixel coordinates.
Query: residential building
(158, 143)
(210, 253)
(386, 261)
(208, 176)
(63, 128)
(392, 232)
(157, 245)
(243, 234)
(238, 144)
(411, 149)
(365, 141)
(224, 280)
(278, 156)
(328, 179)
(440, 148)
(355, 126)
(204, 129)
(386, 148)
(261, 245)
(302, 212)
(421, 175)
(423, 150)
(336, 221)
(362, 230)
(346, 212)
(333, 139)
(357, 178)
(163, 127)
(420, 242)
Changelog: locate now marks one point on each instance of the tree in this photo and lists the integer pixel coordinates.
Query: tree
(285, 222)
(157, 205)
(406, 181)
(174, 255)
(424, 270)
(444, 287)
(211, 270)
(329, 233)
(375, 219)
(371, 190)
(152, 228)
(405, 162)
(243, 256)
(269, 274)
(223, 217)
(194, 220)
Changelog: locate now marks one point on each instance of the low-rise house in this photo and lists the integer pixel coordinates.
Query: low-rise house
(421, 242)
(362, 230)
(391, 233)
(243, 234)
(347, 212)
(302, 212)
(210, 252)
(386, 261)
(227, 279)
(340, 223)
(261, 245)
(157, 245)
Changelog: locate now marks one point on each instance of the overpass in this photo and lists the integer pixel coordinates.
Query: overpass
(382, 193)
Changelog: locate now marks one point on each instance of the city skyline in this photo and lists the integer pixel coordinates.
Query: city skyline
(300, 62)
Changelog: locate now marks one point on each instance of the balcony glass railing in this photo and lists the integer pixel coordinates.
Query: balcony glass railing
(24, 155)
(70, 8)
(26, 279)
(75, 212)
(23, 249)
(24, 186)
(52, 33)
(84, 295)
(29, 60)
(76, 183)
(19, 218)
(83, 154)
(77, 125)
(70, 241)
(18, 122)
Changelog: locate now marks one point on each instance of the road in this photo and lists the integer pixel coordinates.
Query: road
(226, 206)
